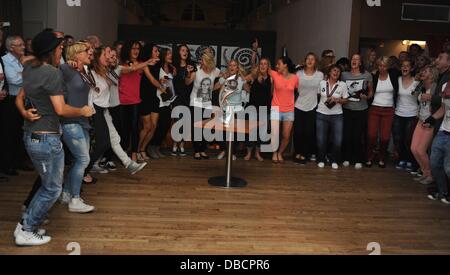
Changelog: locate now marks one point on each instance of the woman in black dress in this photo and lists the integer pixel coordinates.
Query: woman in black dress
(149, 107)
(260, 96)
(182, 60)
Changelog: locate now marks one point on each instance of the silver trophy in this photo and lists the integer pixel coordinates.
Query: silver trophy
(229, 88)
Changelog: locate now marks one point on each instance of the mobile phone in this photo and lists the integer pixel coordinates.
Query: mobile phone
(29, 105)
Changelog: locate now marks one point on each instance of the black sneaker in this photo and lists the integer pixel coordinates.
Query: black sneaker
(446, 199)
(110, 166)
(434, 196)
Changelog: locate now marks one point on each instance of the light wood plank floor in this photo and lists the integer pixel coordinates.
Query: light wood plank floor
(286, 209)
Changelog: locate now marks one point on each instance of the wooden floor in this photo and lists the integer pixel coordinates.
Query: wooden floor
(286, 209)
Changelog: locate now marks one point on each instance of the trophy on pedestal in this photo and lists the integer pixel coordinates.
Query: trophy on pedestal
(229, 88)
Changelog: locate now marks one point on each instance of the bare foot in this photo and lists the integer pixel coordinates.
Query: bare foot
(280, 158)
(275, 158)
(248, 157)
(259, 157)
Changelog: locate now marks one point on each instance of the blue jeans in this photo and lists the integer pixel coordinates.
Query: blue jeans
(47, 154)
(440, 161)
(77, 140)
(329, 126)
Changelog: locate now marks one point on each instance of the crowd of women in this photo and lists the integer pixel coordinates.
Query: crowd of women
(103, 101)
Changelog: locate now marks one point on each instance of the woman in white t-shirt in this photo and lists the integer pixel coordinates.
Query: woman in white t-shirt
(166, 95)
(330, 117)
(201, 99)
(405, 119)
(305, 110)
(105, 133)
(381, 113)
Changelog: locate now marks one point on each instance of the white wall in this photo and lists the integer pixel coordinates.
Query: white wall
(307, 25)
(98, 17)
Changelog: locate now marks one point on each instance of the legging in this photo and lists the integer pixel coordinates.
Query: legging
(403, 131)
(101, 136)
(130, 127)
(421, 143)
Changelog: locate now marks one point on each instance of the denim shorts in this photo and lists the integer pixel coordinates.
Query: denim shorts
(282, 116)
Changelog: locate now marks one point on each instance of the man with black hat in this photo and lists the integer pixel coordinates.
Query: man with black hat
(43, 89)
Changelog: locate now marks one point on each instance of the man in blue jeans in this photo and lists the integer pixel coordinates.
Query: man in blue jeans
(440, 152)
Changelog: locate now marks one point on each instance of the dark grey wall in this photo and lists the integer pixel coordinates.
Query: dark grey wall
(164, 35)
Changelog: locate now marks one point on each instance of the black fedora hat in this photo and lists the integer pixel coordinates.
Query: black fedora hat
(45, 42)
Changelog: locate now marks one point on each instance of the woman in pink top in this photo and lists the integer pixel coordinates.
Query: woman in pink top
(283, 105)
(129, 93)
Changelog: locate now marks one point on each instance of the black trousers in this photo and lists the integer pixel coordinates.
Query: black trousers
(200, 145)
(305, 133)
(129, 130)
(116, 115)
(102, 141)
(403, 130)
(355, 135)
(11, 135)
(164, 124)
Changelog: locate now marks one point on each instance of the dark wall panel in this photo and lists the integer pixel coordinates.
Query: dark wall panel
(164, 35)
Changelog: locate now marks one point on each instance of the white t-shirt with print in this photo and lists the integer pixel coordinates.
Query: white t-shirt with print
(169, 85)
(201, 95)
(340, 93)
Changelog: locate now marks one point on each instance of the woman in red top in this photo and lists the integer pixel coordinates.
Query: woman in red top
(129, 93)
(283, 105)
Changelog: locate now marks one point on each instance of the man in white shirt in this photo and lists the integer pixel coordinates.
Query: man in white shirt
(440, 151)
(11, 120)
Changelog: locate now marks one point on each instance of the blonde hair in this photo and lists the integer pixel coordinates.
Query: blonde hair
(434, 71)
(384, 60)
(208, 61)
(241, 70)
(73, 50)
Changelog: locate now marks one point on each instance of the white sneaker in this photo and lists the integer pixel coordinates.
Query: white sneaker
(234, 157)
(358, 166)
(77, 205)
(313, 158)
(97, 169)
(65, 198)
(182, 152)
(346, 163)
(221, 156)
(25, 238)
(335, 166)
(19, 228)
(135, 167)
(321, 165)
